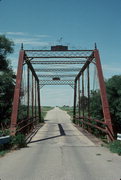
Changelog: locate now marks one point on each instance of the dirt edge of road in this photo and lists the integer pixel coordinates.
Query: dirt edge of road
(90, 136)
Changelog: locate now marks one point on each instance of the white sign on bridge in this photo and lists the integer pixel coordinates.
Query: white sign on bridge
(119, 136)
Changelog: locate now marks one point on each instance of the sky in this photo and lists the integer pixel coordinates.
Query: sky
(41, 23)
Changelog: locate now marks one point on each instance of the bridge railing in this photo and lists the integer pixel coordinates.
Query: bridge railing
(94, 123)
(26, 110)
(83, 81)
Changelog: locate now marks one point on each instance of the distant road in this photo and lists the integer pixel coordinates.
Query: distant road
(60, 152)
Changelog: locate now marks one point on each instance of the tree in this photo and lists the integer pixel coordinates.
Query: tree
(6, 81)
(6, 47)
(113, 88)
(96, 105)
(83, 102)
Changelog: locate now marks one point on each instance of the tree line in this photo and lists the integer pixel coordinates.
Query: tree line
(7, 81)
(113, 89)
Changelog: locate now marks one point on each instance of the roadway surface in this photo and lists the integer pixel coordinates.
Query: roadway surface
(60, 152)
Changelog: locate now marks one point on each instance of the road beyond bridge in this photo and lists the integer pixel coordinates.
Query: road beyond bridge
(60, 152)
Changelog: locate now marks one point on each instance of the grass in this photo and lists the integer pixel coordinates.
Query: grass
(3, 152)
(16, 142)
(45, 109)
(115, 147)
(68, 109)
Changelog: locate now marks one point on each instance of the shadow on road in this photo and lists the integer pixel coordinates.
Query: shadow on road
(62, 133)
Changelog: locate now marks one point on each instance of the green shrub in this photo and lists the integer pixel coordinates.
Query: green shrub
(18, 140)
(41, 120)
(115, 147)
(5, 132)
(2, 153)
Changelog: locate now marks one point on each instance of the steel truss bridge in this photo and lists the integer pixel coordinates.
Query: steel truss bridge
(57, 66)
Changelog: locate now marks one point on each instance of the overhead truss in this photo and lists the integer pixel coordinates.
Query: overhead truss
(61, 82)
(58, 75)
(55, 67)
(58, 62)
(58, 54)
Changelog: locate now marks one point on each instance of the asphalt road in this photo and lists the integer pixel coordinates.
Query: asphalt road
(60, 152)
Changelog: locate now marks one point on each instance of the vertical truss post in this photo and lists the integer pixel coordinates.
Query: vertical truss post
(104, 100)
(88, 90)
(28, 91)
(17, 94)
(32, 97)
(88, 95)
(79, 96)
(75, 94)
(82, 97)
(35, 100)
(39, 106)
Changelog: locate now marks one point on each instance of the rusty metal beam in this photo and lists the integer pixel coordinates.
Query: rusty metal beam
(39, 105)
(32, 70)
(32, 96)
(57, 69)
(56, 75)
(58, 62)
(52, 57)
(28, 92)
(17, 93)
(104, 100)
(89, 60)
(48, 80)
(61, 82)
(88, 90)
(82, 96)
(93, 125)
(70, 84)
(79, 108)
(81, 50)
(35, 92)
(58, 54)
(75, 95)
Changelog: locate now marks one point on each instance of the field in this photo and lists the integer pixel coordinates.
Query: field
(68, 109)
(45, 109)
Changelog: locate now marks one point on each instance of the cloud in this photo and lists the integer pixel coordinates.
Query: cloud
(14, 33)
(26, 38)
(41, 36)
(30, 41)
(25, 34)
(112, 69)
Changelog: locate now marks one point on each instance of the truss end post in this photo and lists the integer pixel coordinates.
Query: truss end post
(13, 130)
